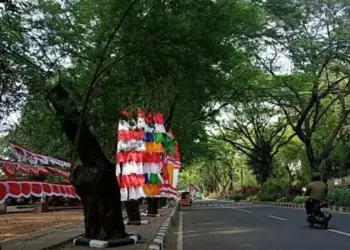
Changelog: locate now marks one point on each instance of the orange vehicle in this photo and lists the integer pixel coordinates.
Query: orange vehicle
(186, 199)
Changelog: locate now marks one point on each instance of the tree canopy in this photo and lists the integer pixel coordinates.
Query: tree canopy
(253, 87)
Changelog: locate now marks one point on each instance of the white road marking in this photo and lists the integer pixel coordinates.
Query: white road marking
(338, 232)
(277, 218)
(180, 243)
(301, 209)
(242, 210)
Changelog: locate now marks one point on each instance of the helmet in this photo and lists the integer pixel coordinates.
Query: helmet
(316, 177)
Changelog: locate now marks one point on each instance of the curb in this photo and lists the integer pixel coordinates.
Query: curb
(135, 223)
(158, 243)
(299, 206)
(82, 241)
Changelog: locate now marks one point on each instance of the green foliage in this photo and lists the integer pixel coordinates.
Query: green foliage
(252, 198)
(339, 197)
(239, 197)
(272, 190)
(300, 199)
(161, 51)
(306, 93)
(196, 56)
(55, 179)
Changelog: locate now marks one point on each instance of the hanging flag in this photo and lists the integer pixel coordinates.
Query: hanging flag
(193, 190)
(25, 155)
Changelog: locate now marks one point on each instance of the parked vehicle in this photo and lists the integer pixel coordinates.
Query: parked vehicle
(186, 199)
(198, 196)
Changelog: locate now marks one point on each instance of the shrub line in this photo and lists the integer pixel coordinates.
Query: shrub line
(299, 206)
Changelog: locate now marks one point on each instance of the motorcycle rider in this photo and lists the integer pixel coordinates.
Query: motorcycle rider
(317, 190)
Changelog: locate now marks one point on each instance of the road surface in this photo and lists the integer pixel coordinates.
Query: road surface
(219, 225)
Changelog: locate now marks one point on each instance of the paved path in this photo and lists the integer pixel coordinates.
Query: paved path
(214, 225)
(50, 236)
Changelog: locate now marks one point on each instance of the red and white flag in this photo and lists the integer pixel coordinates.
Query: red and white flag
(193, 190)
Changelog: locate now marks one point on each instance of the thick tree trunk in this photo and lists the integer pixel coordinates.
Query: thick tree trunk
(310, 155)
(95, 180)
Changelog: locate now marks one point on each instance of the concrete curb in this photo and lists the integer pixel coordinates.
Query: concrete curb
(159, 242)
(82, 241)
(299, 206)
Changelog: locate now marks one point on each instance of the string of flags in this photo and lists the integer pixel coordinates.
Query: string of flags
(147, 158)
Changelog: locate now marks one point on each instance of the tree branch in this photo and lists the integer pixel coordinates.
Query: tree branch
(95, 75)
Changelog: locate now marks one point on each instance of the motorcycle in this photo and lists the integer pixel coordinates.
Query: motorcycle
(320, 215)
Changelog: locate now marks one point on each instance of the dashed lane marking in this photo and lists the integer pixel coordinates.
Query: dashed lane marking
(242, 210)
(338, 232)
(277, 218)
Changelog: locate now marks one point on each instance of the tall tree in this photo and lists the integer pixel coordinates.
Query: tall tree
(95, 180)
(312, 36)
(107, 60)
(257, 130)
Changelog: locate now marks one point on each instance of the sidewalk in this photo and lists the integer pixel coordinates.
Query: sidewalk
(30, 209)
(51, 237)
(147, 232)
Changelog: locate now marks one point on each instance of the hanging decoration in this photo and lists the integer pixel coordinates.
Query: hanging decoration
(25, 155)
(147, 157)
(12, 188)
(129, 159)
(171, 167)
(17, 189)
(10, 169)
(193, 190)
(154, 155)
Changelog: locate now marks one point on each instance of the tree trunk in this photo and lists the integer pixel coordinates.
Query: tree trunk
(95, 180)
(310, 155)
(132, 210)
(162, 202)
(152, 206)
(159, 203)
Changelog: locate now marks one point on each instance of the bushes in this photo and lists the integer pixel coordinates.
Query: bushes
(336, 196)
(252, 198)
(212, 196)
(288, 198)
(239, 197)
(339, 197)
(300, 199)
(272, 191)
(237, 194)
(244, 193)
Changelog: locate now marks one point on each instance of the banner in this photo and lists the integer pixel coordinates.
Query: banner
(193, 190)
(26, 155)
(129, 157)
(10, 169)
(147, 159)
(17, 189)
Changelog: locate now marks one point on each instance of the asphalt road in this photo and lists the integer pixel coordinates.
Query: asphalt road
(217, 225)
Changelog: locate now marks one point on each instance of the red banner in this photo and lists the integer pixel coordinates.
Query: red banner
(193, 190)
(26, 189)
(12, 168)
(24, 154)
